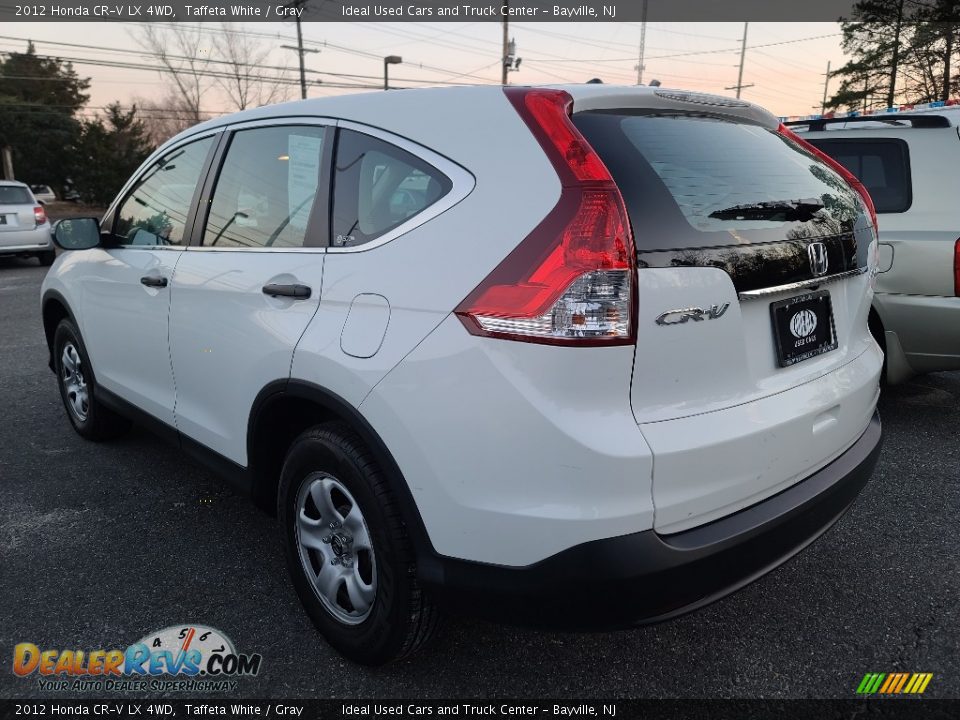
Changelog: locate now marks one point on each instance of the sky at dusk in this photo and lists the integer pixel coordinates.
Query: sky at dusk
(785, 62)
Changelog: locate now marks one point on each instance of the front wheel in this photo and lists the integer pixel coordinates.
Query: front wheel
(348, 551)
(89, 417)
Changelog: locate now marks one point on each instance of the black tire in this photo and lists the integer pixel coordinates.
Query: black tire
(401, 618)
(98, 422)
(46, 258)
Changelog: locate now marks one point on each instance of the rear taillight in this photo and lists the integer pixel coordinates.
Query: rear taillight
(39, 215)
(851, 179)
(956, 268)
(571, 280)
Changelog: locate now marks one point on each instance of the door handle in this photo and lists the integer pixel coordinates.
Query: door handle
(153, 281)
(297, 292)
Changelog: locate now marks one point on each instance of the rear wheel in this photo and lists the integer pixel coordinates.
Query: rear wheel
(46, 258)
(89, 417)
(347, 549)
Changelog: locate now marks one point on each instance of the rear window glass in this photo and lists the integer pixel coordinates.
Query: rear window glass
(682, 173)
(882, 165)
(377, 187)
(14, 195)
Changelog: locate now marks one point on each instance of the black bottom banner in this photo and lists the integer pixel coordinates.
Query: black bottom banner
(913, 709)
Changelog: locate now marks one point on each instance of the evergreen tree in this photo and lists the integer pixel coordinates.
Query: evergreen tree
(39, 100)
(109, 150)
(902, 51)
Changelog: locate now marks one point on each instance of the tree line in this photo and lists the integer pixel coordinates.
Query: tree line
(56, 139)
(901, 52)
(41, 123)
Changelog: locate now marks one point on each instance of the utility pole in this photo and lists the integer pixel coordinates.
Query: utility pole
(826, 82)
(643, 38)
(509, 62)
(504, 65)
(7, 153)
(743, 53)
(300, 50)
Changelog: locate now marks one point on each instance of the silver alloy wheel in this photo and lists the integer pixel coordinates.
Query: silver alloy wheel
(74, 384)
(335, 548)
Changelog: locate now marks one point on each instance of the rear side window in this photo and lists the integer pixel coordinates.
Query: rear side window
(882, 165)
(15, 195)
(696, 181)
(156, 210)
(377, 187)
(266, 188)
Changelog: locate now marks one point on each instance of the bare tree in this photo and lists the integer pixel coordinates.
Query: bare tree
(166, 117)
(241, 74)
(182, 57)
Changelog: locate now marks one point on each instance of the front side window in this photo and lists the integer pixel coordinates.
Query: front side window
(266, 188)
(156, 210)
(377, 187)
(882, 165)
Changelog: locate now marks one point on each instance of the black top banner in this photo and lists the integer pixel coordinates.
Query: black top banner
(261, 11)
(516, 709)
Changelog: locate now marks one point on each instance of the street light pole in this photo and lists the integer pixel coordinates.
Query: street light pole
(387, 62)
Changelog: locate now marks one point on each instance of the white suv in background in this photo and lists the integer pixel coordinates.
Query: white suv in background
(906, 158)
(589, 356)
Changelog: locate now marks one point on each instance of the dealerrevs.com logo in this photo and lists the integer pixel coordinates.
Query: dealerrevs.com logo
(191, 658)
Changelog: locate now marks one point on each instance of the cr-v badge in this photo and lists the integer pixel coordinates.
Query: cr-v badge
(677, 317)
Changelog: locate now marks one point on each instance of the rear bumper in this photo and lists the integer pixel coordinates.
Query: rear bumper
(647, 577)
(15, 242)
(927, 328)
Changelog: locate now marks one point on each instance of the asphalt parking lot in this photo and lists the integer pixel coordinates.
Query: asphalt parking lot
(101, 544)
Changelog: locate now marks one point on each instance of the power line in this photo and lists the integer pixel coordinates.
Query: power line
(205, 73)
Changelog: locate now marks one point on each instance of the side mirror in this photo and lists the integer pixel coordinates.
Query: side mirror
(77, 233)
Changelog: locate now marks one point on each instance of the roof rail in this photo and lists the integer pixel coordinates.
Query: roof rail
(889, 114)
(917, 121)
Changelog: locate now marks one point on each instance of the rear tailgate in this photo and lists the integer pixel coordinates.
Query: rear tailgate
(16, 209)
(751, 273)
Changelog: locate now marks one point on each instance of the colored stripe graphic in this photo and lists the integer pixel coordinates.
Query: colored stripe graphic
(894, 683)
(865, 683)
(900, 683)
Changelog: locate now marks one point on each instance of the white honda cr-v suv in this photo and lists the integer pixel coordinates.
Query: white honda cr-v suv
(590, 356)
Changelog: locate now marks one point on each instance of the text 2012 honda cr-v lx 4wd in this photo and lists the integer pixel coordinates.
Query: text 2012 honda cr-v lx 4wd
(592, 356)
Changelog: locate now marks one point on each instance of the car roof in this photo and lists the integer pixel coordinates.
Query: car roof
(13, 183)
(369, 107)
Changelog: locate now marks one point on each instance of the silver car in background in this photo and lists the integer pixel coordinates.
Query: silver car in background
(44, 193)
(905, 158)
(24, 228)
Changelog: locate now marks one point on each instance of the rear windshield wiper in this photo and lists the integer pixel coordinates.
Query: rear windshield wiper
(775, 210)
